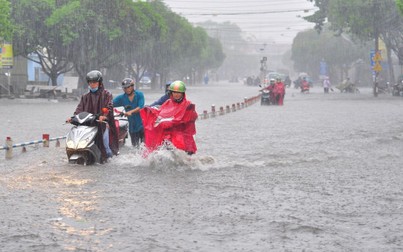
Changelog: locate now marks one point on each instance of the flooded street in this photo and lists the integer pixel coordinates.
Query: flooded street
(321, 173)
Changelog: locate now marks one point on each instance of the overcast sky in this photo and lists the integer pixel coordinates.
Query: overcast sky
(265, 21)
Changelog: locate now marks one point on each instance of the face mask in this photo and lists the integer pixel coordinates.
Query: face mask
(93, 90)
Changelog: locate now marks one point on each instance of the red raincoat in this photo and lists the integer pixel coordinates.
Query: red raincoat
(174, 122)
(279, 92)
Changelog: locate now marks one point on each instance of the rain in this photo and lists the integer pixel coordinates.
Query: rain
(322, 172)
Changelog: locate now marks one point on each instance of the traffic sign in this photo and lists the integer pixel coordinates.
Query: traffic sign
(377, 56)
(377, 67)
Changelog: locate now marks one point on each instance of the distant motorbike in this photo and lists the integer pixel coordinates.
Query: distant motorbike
(397, 89)
(265, 97)
(347, 88)
(80, 141)
(305, 88)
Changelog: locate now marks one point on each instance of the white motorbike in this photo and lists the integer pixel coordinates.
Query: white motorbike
(80, 141)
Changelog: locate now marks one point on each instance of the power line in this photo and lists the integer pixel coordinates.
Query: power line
(245, 13)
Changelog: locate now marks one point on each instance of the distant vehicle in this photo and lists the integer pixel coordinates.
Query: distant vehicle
(145, 81)
(307, 78)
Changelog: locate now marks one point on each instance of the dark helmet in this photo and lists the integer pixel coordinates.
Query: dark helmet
(168, 83)
(94, 75)
(127, 82)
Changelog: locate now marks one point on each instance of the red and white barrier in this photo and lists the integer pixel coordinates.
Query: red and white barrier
(9, 146)
(228, 109)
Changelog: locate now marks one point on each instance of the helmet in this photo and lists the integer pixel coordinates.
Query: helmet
(278, 78)
(177, 86)
(94, 75)
(127, 82)
(272, 80)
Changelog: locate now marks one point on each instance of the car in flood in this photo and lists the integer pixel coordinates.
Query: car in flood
(145, 81)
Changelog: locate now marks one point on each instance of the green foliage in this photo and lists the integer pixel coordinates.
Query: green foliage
(309, 48)
(361, 18)
(320, 16)
(137, 36)
(5, 22)
(60, 18)
(399, 4)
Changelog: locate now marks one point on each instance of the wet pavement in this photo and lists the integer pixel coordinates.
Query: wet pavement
(321, 173)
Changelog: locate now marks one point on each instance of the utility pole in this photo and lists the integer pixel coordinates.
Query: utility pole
(376, 70)
(263, 69)
(376, 34)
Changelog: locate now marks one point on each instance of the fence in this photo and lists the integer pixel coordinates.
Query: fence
(228, 109)
(45, 142)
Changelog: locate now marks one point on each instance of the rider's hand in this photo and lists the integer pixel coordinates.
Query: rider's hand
(68, 120)
(102, 118)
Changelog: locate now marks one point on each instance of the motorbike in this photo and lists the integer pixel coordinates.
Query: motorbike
(265, 97)
(305, 88)
(347, 88)
(122, 126)
(80, 141)
(170, 127)
(397, 89)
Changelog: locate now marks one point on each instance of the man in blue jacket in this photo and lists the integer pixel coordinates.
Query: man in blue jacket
(132, 100)
(163, 98)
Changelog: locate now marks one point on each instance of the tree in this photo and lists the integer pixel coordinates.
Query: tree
(90, 33)
(38, 41)
(5, 21)
(145, 55)
(108, 35)
(366, 20)
(399, 4)
(310, 48)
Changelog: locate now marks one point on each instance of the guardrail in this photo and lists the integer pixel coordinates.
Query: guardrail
(45, 141)
(229, 109)
(205, 115)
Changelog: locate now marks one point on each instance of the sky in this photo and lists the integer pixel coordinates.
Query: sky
(262, 21)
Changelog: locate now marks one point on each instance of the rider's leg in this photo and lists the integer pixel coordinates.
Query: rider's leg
(106, 143)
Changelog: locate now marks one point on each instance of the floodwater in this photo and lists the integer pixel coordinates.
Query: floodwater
(321, 173)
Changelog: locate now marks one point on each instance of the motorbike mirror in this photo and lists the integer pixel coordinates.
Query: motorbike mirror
(105, 110)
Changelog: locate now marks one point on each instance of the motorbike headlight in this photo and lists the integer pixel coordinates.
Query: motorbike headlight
(82, 144)
(70, 144)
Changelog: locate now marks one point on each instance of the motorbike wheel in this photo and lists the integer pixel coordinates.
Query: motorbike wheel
(81, 161)
(72, 162)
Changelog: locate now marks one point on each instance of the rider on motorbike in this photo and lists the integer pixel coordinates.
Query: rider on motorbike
(174, 121)
(279, 92)
(270, 88)
(133, 101)
(304, 85)
(98, 101)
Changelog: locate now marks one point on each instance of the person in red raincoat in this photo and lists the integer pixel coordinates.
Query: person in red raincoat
(174, 121)
(279, 92)
(98, 101)
(270, 88)
(304, 85)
